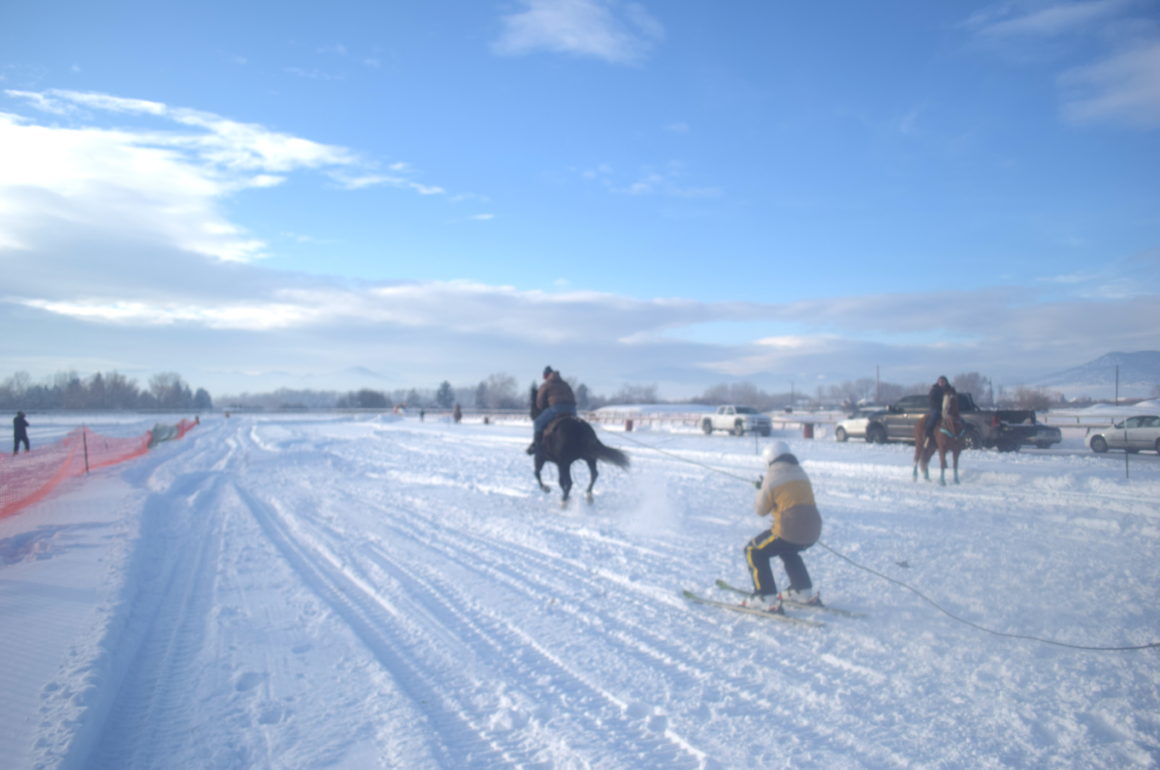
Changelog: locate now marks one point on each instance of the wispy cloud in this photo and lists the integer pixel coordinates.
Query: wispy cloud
(311, 73)
(1123, 88)
(1118, 85)
(668, 179)
(620, 33)
(163, 176)
(1016, 20)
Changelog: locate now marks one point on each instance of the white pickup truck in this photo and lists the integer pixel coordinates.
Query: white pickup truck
(737, 420)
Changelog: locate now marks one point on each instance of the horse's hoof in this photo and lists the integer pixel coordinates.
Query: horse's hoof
(589, 498)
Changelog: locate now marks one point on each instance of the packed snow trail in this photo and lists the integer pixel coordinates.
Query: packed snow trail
(328, 591)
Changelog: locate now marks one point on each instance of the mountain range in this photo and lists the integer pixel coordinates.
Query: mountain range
(1138, 377)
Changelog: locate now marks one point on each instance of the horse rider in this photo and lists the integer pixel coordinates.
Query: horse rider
(553, 399)
(940, 388)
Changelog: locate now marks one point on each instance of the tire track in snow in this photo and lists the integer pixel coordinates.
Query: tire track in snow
(543, 577)
(143, 684)
(454, 741)
(451, 627)
(519, 657)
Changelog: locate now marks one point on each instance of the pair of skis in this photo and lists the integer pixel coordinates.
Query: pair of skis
(783, 617)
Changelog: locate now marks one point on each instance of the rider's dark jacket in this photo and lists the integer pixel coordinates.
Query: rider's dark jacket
(554, 391)
(936, 396)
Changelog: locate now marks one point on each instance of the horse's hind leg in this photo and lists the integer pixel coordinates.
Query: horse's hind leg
(923, 461)
(592, 474)
(918, 449)
(539, 467)
(565, 480)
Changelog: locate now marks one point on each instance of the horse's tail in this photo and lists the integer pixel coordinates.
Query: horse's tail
(608, 454)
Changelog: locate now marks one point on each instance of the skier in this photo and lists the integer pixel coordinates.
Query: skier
(19, 433)
(786, 493)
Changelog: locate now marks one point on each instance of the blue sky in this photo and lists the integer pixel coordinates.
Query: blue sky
(677, 194)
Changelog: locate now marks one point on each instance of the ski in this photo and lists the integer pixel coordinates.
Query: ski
(752, 611)
(796, 605)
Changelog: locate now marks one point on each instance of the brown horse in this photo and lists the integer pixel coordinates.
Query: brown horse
(948, 436)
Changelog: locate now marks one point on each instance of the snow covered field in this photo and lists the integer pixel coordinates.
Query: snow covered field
(326, 591)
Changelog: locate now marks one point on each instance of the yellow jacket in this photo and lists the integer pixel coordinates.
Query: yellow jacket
(786, 493)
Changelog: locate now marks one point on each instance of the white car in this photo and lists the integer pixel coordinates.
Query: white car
(854, 426)
(1131, 435)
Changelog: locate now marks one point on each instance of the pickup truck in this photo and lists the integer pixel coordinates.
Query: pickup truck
(737, 420)
(1003, 429)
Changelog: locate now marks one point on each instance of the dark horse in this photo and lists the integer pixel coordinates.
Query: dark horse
(567, 439)
(948, 436)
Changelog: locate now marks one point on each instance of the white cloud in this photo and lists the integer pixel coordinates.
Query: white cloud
(104, 233)
(617, 33)
(164, 183)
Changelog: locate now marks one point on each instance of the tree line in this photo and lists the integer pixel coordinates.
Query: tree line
(108, 390)
(498, 391)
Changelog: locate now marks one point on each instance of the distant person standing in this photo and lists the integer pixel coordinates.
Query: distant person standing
(19, 433)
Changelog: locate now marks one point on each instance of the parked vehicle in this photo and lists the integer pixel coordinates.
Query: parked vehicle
(737, 420)
(1003, 429)
(854, 426)
(1131, 435)
(1045, 436)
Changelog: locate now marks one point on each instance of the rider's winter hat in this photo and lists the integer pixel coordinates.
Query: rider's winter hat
(547, 370)
(774, 451)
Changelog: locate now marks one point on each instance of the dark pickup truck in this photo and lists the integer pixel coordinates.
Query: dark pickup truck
(1002, 429)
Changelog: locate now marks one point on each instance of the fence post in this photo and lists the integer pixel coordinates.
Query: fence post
(85, 441)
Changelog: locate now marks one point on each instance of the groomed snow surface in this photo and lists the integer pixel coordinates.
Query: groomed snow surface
(356, 592)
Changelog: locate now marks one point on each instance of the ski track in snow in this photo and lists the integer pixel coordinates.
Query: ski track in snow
(319, 591)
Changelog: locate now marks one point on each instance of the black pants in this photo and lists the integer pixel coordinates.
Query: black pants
(932, 418)
(16, 444)
(762, 549)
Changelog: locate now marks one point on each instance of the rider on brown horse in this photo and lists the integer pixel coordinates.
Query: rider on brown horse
(555, 398)
(937, 391)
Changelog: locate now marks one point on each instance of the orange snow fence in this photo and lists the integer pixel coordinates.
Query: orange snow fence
(31, 476)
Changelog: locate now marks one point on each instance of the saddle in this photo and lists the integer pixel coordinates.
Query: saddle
(555, 421)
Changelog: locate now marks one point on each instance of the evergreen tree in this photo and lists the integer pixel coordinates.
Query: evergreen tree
(445, 396)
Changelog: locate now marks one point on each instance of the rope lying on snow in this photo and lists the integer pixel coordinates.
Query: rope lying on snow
(912, 589)
(972, 624)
